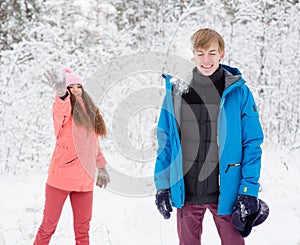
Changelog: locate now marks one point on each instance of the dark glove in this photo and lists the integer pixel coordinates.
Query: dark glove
(244, 206)
(163, 203)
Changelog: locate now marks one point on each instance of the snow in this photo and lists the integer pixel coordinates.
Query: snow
(123, 219)
(85, 35)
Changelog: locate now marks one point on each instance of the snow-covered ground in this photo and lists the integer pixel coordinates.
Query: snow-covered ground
(123, 220)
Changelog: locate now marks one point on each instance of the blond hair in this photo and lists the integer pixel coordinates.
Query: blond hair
(204, 37)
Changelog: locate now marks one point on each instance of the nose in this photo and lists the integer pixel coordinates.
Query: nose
(206, 58)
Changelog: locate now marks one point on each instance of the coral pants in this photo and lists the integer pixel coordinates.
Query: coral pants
(81, 203)
(189, 225)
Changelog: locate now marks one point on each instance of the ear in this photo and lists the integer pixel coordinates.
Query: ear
(222, 54)
(193, 59)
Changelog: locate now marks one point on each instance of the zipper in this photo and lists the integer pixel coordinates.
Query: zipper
(218, 140)
(232, 165)
(222, 102)
(182, 199)
(71, 160)
(62, 125)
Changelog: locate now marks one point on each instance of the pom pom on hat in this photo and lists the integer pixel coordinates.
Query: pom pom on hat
(66, 70)
(71, 77)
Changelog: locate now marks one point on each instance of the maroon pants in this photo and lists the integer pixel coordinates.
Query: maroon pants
(81, 203)
(189, 225)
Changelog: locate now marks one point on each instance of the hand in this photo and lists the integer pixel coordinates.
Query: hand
(163, 203)
(56, 82)
(244, 206)
(102, 178)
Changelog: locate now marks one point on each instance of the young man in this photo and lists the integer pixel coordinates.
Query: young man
(209, 154)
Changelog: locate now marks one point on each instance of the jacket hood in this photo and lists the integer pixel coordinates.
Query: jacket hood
(232, 70)
(232, 75)
(180, 86)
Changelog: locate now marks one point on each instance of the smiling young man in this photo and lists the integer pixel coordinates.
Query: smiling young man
(209, 138)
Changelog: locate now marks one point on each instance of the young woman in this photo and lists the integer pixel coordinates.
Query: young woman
(77, 154)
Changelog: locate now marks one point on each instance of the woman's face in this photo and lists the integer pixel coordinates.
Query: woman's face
(76, 89)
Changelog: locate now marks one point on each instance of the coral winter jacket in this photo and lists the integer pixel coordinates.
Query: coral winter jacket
(77, 152)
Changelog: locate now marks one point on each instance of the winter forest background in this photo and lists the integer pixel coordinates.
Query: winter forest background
(262, 39)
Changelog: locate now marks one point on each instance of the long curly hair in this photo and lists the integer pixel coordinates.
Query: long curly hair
(90, 117)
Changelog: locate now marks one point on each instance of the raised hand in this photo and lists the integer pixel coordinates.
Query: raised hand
(55, 81)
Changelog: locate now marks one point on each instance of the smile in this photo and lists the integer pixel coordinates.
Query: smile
(207, 67)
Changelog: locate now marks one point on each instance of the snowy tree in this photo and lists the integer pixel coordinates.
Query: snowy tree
(262, 40)
(15, 16)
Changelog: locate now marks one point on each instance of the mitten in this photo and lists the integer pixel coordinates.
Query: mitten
(55, 81)
(244, 206)
(163, 203)
(102, 178)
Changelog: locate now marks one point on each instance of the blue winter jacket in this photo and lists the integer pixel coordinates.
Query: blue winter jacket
(239, 136)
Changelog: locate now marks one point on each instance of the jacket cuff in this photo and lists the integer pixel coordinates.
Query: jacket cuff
(250, 190)
(100, 162)
(64, 96)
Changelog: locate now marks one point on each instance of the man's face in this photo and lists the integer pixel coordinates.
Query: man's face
(208, 60)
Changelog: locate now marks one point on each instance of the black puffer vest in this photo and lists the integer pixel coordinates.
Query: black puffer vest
(198, 132)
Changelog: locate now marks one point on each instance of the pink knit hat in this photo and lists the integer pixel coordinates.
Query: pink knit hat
(71, 77)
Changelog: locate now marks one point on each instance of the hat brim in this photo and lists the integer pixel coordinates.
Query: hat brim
(255, 219)
(263, 213)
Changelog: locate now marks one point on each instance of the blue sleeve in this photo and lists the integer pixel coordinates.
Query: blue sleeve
(252, 138)
(163, 159)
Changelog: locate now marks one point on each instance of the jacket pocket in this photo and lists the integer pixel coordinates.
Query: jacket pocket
(232, 165)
